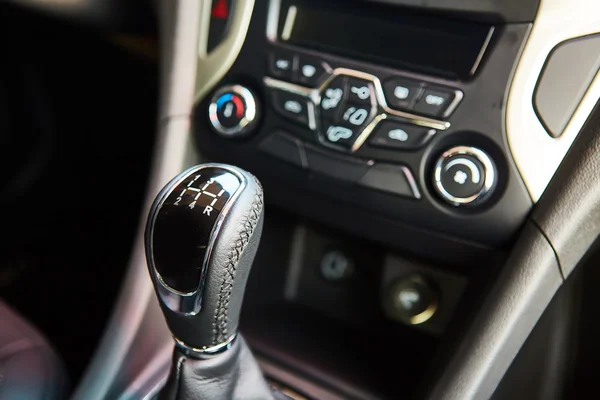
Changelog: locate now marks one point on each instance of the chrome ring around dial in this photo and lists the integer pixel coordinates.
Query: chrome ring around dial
(247, 110)
(487, 175)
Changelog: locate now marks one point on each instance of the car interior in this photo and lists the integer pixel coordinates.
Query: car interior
(299, 199)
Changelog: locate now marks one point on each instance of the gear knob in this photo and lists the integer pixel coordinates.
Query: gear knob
(201, 238)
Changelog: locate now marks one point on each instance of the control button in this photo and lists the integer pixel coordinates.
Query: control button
(395, 135)
(413, 300)
(393, 179)
(434, 101)
(360, 91)
(350, 124)
(341, 134)
(342, 168)
(284, 147)
(464, 175)
(310, 70)
(401, 93)
(281, 64)
(356, 116)
(333, 97)
(233, 111)
(336, 266)
(291, 106)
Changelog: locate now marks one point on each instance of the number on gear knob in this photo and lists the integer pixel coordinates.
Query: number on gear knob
(464, 175)
(233, 111)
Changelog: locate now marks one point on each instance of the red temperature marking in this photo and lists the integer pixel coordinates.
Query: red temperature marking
(239, 106)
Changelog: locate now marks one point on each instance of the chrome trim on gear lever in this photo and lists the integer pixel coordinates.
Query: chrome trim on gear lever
(187, 303)
(205, 353)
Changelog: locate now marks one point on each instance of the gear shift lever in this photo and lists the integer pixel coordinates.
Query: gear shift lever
(201, 238)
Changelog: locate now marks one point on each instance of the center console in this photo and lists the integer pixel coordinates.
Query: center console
(393, 118)
(378, 134)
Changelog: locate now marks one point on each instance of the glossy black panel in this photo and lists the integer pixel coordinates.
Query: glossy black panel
(184, 223)
(397, 37)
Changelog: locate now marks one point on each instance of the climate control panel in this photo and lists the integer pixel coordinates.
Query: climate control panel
(345, 107)
(342, 141)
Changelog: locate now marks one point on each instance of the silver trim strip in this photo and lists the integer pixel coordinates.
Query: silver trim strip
(273, 19)
(536, 154)
(289, 23)
(484, 47)
(207, 352)
(382, 103)
(312, 122)
(458, 96)
(413, 118)
(290, 87)
(412, 182)
(364, 135)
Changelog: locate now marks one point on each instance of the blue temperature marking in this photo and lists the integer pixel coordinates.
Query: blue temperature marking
(223, 99)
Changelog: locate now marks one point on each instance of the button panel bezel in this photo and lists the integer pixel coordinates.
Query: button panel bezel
(380, 108)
